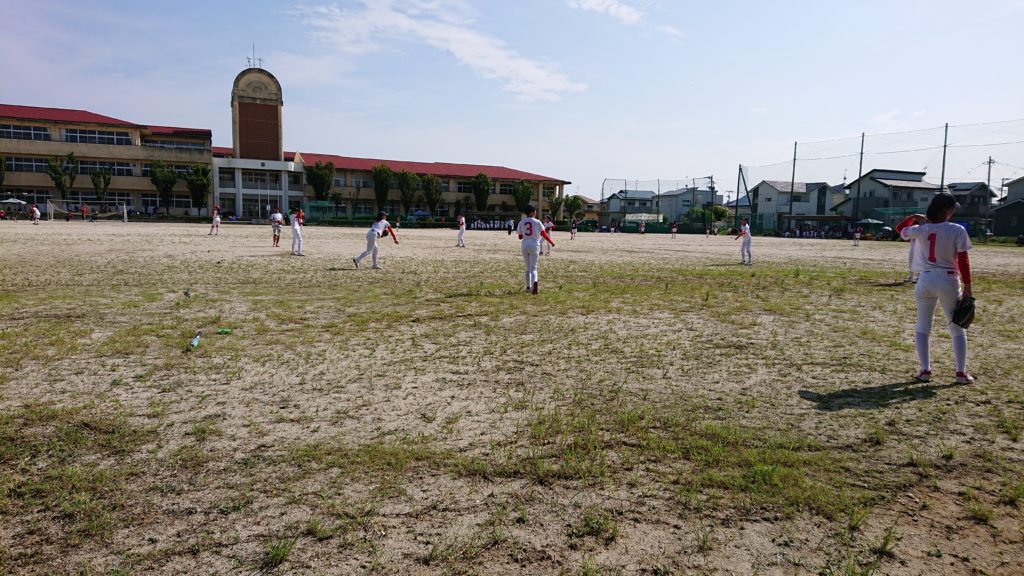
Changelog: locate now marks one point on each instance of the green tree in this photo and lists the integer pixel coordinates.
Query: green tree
(382, 176)
(573, 206)
(522, 193)
(482, 187)
(321, 178)
(163, 178)
(432, 190)
(63, 173)
(198, 180)
(100, 184)
(695, 214)
(555, 205)
(718, 212)
(408, 183)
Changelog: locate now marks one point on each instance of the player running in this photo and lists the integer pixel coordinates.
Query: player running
(460, 242)
(215, 223)
(531, 231)
(549, 227)
(276, 220)
(379, 229)
(941, 257)
(745, 257)
(297, 222)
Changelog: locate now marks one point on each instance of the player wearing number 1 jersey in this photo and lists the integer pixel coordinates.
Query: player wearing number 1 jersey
(941, 257)
(531, 231)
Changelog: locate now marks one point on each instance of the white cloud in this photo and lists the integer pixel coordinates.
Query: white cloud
(624, 13)
(442, 24)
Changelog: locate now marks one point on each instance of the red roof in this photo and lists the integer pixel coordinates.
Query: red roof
(436, 168)
(173, 131)
(57, 115)
(86, 117)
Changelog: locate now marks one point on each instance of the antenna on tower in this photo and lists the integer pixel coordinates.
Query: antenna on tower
(253, 61)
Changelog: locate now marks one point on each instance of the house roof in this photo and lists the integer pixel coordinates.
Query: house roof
(906, 184)
(635, 194)
(1005, 204)
(869, 173)
(435, 168)
(785, 186)
(1012, 182)
(71, 116)
(844, 201)
(588, 200)
(742, 201)
(967, 187)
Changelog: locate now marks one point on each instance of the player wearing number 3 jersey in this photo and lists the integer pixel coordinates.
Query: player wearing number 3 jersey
(531, 231)
(941, 257)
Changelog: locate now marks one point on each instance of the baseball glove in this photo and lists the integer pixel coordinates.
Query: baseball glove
(963, 314)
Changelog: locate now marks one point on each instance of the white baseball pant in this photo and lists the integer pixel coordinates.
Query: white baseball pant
(530, 255)
(371, 247)
(938, 287)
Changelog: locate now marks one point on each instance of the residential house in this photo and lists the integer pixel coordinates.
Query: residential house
(626, 203)
(975, 200)
(1008, 218)
(591, 208)
(1015, 189)
(676, 203)
(771, 208)
(886, 195)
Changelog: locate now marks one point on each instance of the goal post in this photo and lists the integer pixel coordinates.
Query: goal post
(62, 209)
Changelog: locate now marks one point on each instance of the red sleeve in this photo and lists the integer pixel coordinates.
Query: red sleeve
(906, 222)
(392, 232)
(544, 235)
(963, 262)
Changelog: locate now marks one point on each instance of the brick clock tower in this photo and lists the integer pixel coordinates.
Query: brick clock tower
(256, 104)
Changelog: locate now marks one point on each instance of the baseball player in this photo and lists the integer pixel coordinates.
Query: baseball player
(531, 231)
(856, 235)
(276, 220)
(459, 241)
(35, 214)
(745, 257)
(675, 228)
(572, 228)
(549, 227)
(296, 218)
(215, 223)
(379, 229)
(941, 257)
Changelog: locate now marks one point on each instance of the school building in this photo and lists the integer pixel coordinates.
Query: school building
(249, 178)
(29, 135)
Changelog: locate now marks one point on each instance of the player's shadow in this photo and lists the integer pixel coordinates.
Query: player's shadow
(726, 264)
(895, 284)
(874, 397)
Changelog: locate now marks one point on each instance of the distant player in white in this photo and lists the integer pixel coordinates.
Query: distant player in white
(745, 257)
(675, 228)
(379, 229)
(572, 228)
(531, 231)
(215, 222)
(856, 235)
(941, 258)
(460, 242)
(296, 218)
(276, 220)
(549, 227)
(35, 214)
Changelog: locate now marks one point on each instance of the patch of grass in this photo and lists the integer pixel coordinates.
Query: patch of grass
(886, 547)
(596, 523)
(1012, 492)
(275, 552)
(976, 509)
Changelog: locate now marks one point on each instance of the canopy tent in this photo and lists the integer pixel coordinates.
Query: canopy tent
(13, 201)
(869, 221)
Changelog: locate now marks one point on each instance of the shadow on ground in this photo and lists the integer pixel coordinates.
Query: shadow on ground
(874, 397)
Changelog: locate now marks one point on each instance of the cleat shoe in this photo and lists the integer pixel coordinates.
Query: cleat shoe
(376, 267)
(536, 287)
(924, 376)
(356, 262)
(964, 378)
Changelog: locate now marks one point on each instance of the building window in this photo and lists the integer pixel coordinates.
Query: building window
(446, 185)
(15, 164)
(115, 168)
(295, 182)
(339, 180)
(226, 177)
(182, 201)
(97, 137)
(16, 132)
(361, 181)
(38, 197)
(441, 210)
(150, 201)
(180, 169)
(506, 187)
(464, 187)
(364, 208)
(176, 144)
(261, 180)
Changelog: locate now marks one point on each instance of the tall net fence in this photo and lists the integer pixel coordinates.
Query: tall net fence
(909, 167)
(659, 202)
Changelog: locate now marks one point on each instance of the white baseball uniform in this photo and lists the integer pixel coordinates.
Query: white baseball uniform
(296, 234)
(530, 228)
(935, 256)
(377, 230)
(745, 256)
(276, 219)
(462, 232)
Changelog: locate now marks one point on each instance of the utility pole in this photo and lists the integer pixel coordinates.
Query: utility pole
(990, 163)
(945, 141)
(736, 210)
(988, 197)
(860, 174)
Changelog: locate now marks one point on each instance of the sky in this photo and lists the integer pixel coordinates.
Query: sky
(580, 90)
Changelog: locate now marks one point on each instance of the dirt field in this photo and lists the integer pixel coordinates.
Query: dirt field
(657, 409)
